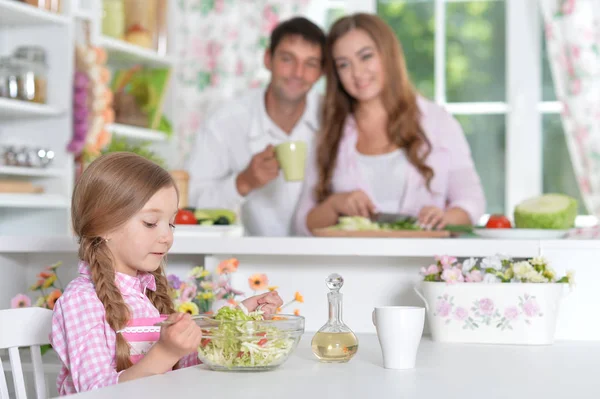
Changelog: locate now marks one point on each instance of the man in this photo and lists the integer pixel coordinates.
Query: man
(233, 162)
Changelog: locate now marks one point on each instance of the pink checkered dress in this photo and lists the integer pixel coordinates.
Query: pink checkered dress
(85, 342)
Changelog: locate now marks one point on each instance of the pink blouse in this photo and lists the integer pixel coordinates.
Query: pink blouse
(455, 182)
(82, 337)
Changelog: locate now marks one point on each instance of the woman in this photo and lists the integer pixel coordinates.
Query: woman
(383, 148)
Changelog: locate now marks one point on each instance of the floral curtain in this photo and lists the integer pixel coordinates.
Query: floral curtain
(573, 42)
(219, 45)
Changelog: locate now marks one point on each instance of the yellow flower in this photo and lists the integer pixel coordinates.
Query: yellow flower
(41, 301)
(188, 307)
(197, 272)
(207, 296)
(37, 285)
(206, 285)
(298, 297)
(54, 266)
(272, 288)
(49, 281)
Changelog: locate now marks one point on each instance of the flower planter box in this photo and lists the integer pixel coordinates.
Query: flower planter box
(523, 313)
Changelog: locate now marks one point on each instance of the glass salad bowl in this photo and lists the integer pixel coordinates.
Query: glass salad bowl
(249, 345)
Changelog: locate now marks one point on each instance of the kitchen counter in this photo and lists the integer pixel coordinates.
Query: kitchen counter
(563, 370)
(318, 246)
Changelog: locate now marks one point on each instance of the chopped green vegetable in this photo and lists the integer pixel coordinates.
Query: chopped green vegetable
(236, 344)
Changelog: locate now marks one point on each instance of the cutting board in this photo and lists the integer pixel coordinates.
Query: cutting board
(21, 187)
(328, 232)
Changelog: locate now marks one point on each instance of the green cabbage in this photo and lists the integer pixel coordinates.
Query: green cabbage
(549, 211)
(246, 345)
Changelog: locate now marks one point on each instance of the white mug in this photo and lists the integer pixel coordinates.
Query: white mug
(399, 329)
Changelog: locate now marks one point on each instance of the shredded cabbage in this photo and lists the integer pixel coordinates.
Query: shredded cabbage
(244, 345)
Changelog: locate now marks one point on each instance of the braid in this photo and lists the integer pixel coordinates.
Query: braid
(95, 253)
(161, 298)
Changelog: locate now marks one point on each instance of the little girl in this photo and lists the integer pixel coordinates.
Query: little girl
(123, 210)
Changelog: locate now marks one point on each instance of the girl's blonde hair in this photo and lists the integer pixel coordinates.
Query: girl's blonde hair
(399, 98)
(111, 190)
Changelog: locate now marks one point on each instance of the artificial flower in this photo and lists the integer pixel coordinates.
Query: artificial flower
(188, 307)
(20, 301)
(52, 298)
(474, 276)
(40, 302)
(258, 282)
(228, 266)
(446, 261)
(468, 265)
(430, 270)
(49, 282)
(188, 293)
(453, 275)
(521, 269)
(272, 288)
(298, 297)
(296, 312)
(174, 281)
(491, 262)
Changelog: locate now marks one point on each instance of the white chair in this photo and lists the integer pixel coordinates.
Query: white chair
(25, 327)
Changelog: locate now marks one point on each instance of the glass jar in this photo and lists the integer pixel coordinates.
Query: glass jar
(113, 18)
(141, 23)
(50, 5)
(8, 79)
(32, 75)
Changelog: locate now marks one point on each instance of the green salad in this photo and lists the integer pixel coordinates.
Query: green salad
(358, 223)
(248, 345)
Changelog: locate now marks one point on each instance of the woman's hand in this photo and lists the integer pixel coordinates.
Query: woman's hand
(271, 301)
(182, 337)
(353, 203)
(432, 217)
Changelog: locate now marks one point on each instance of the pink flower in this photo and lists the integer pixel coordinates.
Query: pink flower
(568, 7)
(431, 269)
(486, 306)
(511, 313)
(531, 308)
(219, 6)
(461, 313)
(446, 261)
(443, 308)
(453, 275)
(474, 276)
(20, 301)
(575, 87)
(189, 293)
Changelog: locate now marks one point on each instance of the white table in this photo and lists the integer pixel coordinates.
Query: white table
(564, 370)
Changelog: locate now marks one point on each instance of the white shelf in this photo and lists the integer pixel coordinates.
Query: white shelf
(39, 201)
(14, 13)
(27, 171)
(122, 52)
(136, 133)
(14, 109)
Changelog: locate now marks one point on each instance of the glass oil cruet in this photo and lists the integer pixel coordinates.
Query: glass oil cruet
(334, 342)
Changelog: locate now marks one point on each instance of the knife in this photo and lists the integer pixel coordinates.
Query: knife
(386, 217)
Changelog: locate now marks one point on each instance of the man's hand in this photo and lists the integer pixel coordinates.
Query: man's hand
(263, 168)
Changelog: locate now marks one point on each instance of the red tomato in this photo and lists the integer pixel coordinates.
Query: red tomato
(498, 222)
(262, 342)
(185, 217)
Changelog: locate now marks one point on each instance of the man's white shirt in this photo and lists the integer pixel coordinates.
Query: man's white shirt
(224, 146)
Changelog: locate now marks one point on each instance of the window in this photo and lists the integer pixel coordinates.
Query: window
(482, 60)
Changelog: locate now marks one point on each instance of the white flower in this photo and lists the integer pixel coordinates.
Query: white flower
(535, 277)
(571, 277)
(503, 257)
(538, 261)
(490, 279)
(468, 265)
(522, 269)
(492, 262)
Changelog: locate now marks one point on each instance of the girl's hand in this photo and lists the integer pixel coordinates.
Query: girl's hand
(181, 338)
(271, 301)
(432, 217)
(353, 203)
